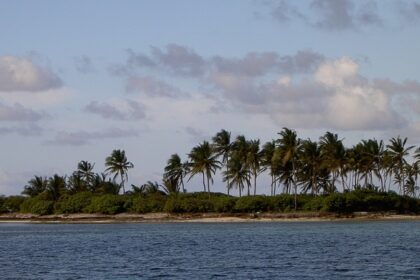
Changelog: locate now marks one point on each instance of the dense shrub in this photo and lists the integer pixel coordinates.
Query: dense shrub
(353, 202)
(185, 203)
(11, 203)
(406, 205)
(335, 202)
(173, 205)
(107, 204)
(282, 203)
(202, 202)
(224, 204)
(37, 205)
(252, 204)
(314, 203)
(75, 203)
(146, 204)
(2, 200)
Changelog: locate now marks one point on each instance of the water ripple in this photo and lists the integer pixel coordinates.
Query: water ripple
(325, 250)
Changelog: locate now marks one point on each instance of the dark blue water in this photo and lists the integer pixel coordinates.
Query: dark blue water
(313, 250)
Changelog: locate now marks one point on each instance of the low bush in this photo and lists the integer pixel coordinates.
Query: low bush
(224, 204)
(335, 202)
(147, 204)
(282, 203)
(314, 203)
(37, 205)
(252, 204)
(75, 203)
(185, 203)
(11, 203)
(2, 200)
(107, 204)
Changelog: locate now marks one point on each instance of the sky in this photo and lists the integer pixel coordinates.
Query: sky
(79, 79)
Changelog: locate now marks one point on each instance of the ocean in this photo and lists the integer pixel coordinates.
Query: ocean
(251, 250)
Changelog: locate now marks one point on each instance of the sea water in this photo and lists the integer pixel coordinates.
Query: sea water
(260, 250)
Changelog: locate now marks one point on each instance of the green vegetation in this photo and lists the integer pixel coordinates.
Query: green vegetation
(315, 176)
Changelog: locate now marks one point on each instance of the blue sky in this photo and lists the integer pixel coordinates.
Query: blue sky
(81, 78)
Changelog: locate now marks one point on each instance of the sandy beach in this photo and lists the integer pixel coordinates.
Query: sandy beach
(200, 217)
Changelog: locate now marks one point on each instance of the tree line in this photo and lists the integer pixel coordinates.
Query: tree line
(295, 166)
(301, 165)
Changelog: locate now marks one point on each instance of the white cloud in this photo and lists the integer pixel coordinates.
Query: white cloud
(362, 108)
(119, 110)
(29, 129)
(331, 15)
(38, 100)
(334, 96)
(152, 87)
(17, 112)
(335, 73)
(78, 138)
(21, 74)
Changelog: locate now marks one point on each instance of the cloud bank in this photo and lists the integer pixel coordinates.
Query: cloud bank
(21, 74)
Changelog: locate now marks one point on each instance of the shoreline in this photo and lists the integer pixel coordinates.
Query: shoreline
(200, 218)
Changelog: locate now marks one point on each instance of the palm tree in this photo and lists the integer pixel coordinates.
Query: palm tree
(410, 184)
(289, 146)
(85, 171)
(237, 174)
(118, 164)
(267, 161)
(311, 161)
(76, 183)
(204, 161)
(175, 171)
(398, 151)
(254, 160)
(56, 187)
(170, 186)
(222, 147)
(35, 186)
(240, 150)
(333, 154)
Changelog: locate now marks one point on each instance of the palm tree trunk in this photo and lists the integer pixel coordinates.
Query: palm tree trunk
(274, 187)
(294, 183)
(182, 184)
(208, 184)
(227, 181)
(122, 183)
(204, 183)
(255, 184)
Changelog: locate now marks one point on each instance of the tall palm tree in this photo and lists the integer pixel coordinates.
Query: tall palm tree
(85, 171)
(35, 186)
(222, 147)
(267, 161)
(333, 154)
(204, 161)
(254, 160)
(311, 161)
(398, 151)
(237, 174)
(410, 184)
(240, 150)
(118, 165)
(170, 186)
(76, 184)
(56, 186)
(175, 171)
(372, 161)
(290, 146)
